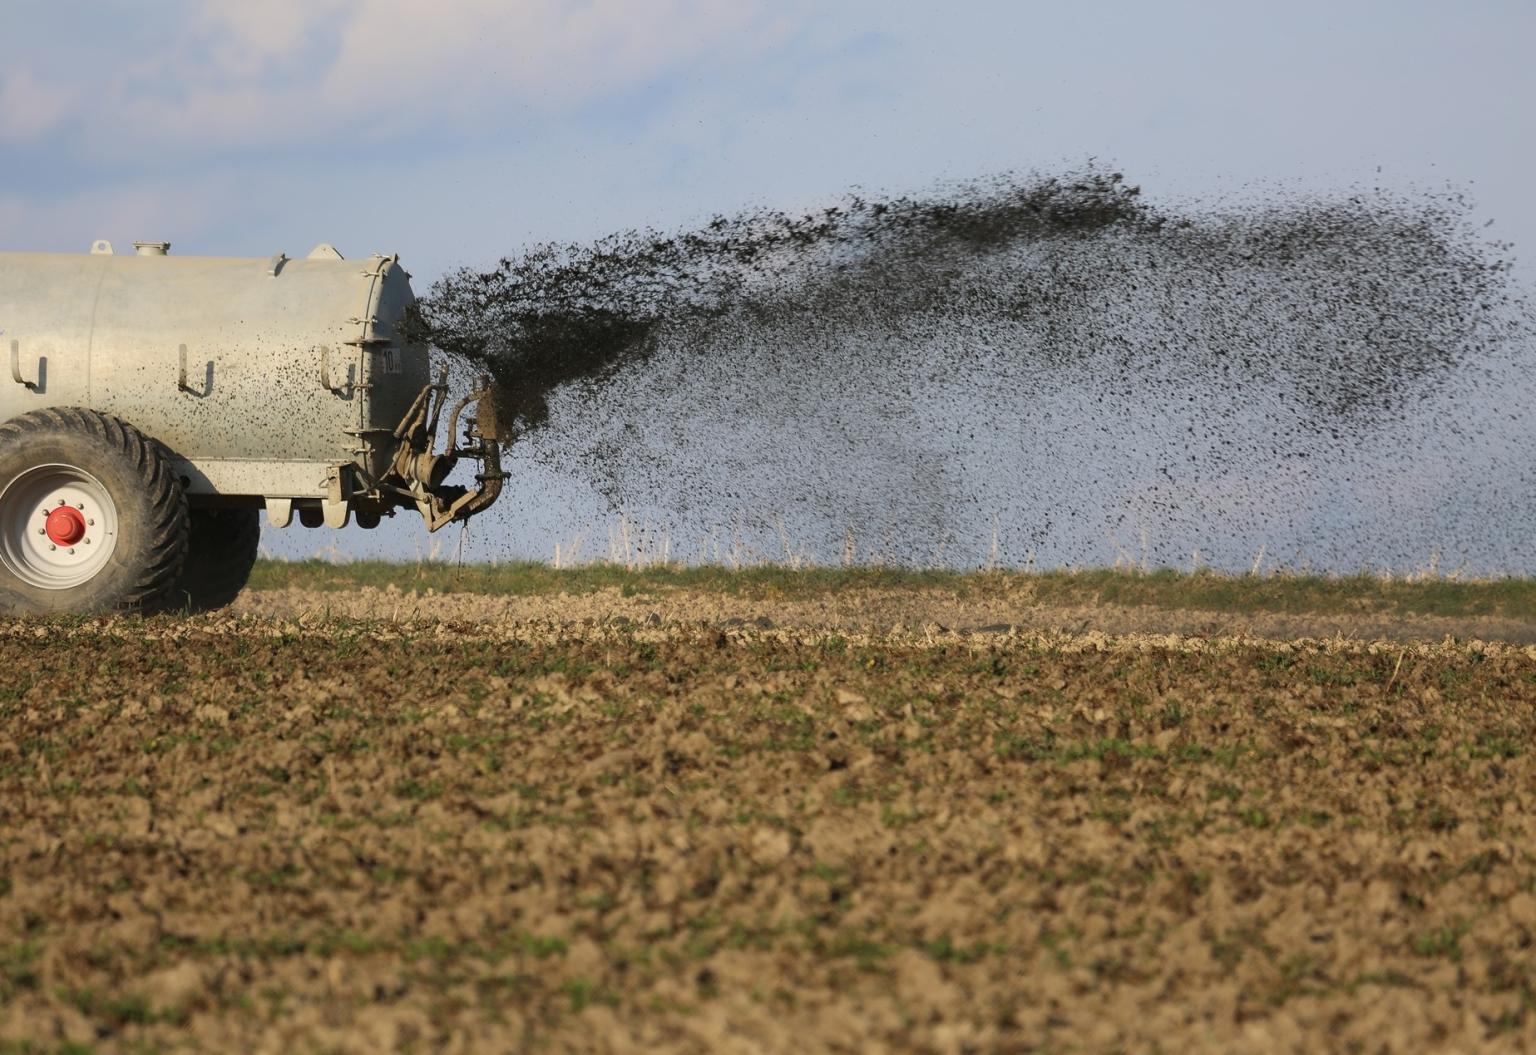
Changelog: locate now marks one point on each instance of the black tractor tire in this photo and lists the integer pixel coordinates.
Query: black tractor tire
(220, 554)
(130, 508)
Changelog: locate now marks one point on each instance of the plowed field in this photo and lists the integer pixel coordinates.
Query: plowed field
(270, 833)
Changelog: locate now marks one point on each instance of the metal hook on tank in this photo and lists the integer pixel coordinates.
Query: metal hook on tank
(31, 386)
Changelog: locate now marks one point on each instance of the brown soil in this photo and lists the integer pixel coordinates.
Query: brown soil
(297, 833)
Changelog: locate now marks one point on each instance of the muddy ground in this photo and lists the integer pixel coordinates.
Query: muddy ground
(290, 830)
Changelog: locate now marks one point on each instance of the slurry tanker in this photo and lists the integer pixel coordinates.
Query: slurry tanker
(155, 404)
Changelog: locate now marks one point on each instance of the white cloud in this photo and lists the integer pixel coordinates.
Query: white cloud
(29, 107)
(572, 50)
(247, 39)
(69, 223)
(291, 72)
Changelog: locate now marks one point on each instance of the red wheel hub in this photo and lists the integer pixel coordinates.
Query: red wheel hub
(66, 526)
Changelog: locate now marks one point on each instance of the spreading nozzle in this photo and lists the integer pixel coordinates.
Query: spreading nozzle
(418, 474)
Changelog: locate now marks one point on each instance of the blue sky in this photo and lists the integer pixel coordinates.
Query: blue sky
(459, 131)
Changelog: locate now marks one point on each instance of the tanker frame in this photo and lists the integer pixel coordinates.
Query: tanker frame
(156, 404)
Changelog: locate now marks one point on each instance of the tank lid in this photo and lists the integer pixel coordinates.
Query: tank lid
(152, 248)
(101, 247)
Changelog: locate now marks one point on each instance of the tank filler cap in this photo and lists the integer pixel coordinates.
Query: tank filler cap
(101, 247)
(152, 248)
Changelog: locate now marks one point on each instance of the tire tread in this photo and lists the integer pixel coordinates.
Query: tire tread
(167, 529)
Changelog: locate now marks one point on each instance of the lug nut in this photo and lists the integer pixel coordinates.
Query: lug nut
(42, 531)
(71, 549)
(90, 522)
(51, 546)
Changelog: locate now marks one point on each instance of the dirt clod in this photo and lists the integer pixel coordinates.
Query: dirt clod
(543, 834)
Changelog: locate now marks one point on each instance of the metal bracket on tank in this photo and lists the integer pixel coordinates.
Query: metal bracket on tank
(378, 263)
(369, 337)
(336, 505)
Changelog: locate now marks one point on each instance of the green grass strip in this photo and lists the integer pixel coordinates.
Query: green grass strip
(1509, 598)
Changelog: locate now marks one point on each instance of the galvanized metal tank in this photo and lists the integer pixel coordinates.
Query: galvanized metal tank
(154, 404)
(259, 375)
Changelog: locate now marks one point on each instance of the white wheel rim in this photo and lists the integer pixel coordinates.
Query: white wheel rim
(58, 527)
